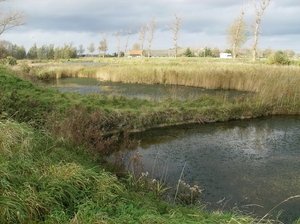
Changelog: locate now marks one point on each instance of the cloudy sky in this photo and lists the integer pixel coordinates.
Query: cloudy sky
(203, 22)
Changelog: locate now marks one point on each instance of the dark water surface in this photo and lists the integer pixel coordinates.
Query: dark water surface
(249, 165)
(92, 85)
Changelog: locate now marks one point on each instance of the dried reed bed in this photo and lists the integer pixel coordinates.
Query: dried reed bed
(274, 85)
(59, 70)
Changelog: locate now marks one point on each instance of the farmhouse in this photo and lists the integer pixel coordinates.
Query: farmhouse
(135, 53)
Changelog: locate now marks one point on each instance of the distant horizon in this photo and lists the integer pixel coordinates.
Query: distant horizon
(96, 52)
(203, 23)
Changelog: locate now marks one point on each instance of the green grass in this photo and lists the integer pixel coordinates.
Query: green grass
(274, 85)
(79, 118)
(45, 180)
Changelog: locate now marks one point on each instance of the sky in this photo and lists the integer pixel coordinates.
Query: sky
(203, 22)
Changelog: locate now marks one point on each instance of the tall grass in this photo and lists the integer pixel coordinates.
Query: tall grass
(272, 83)
(57, 183)
(275, 86)
(88, 120)
(15, 139)
(60, 70)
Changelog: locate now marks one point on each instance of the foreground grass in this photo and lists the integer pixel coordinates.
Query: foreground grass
(46, 180)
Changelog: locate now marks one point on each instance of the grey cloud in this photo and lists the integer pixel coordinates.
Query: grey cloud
(211, 17)
(115, 15)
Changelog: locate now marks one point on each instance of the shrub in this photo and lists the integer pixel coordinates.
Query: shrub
(188, 53)
(11, 60)
(279, 58)
(25, 66)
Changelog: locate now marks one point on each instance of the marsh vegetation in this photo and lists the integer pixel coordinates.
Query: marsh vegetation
(65, 136)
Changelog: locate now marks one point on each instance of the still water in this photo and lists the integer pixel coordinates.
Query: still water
(249, 165)
(92, 85)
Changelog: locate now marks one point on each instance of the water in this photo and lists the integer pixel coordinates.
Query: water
(247, 165)
(92, 85)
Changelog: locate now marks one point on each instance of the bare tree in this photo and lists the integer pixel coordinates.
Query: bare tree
(151, 28)
(102, 47)
(290, 53)
(103, 43)
(142, 35)
(80, 50)
(237, 32)
(118, 35)
(175, 26)
(91, 48)
(128, 32)
(10, 19)
(260, 7)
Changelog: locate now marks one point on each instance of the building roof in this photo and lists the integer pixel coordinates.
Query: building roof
(135, 52)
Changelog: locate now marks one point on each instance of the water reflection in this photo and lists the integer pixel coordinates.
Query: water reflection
(92, 85)
(250, 165)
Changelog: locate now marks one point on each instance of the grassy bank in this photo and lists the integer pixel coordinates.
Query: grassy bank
(48, 177)
(46, 180)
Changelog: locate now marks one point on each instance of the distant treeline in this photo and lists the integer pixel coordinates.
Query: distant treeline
(69, 51)
(43, 52)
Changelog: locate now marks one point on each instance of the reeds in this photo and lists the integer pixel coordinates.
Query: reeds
(58, 71)
(276, 86)
(209, 75)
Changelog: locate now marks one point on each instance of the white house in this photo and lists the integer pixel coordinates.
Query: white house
(225, 55)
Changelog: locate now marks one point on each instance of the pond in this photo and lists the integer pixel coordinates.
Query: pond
(249, 165)
(92, 85)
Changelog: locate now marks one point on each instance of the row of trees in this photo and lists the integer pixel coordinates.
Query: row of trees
(69, 51)
(243, 52)
(237, 36)
(145, 28)
(43, 52)
(145, 34)
(206, 52)
(238, 32)
(9, 49)
(49, 52)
